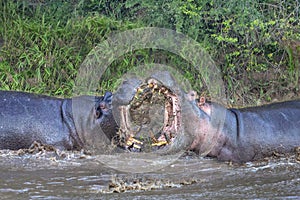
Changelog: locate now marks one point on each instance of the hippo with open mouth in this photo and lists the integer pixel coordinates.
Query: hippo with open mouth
(149, 115)
(238, 135)
(67, 124)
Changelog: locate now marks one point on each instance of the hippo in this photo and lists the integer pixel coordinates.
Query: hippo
(208, 128)
(247, 134)
(66, 124)
(211, 129)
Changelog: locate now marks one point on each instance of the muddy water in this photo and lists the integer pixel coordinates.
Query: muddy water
(67, 175)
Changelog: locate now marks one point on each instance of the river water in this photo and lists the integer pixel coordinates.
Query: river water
(74, 175)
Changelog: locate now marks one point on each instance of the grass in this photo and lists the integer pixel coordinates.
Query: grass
(44, 44)
(43, 56)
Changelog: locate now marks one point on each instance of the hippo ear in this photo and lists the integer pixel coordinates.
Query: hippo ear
(107, 98)
(204, 106)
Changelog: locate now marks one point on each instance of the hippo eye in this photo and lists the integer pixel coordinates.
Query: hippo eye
(98, 114)
(99, 108)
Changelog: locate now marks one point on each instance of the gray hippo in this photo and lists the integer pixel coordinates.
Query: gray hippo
(238, 135)
(247, 134)
(210, 129)
(67, 124)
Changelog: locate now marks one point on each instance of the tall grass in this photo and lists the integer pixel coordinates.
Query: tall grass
(254, 43)
(42, 54)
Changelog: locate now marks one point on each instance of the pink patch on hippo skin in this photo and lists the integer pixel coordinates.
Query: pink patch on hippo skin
(204, 137)
(205, 107)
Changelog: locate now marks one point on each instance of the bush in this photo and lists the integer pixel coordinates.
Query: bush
(254, 43)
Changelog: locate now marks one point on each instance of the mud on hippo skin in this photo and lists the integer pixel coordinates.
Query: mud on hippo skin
(66, 124)
(249, 133)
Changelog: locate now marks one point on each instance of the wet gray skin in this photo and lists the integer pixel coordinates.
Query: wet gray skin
(25, 118)
(250, 133)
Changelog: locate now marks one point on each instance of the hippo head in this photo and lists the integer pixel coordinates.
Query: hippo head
(103, 115)
(148, 112)
(151, 114)
(94, 121)
(203, 123)
(157, 114)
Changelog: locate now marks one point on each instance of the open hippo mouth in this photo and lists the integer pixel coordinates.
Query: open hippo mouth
(152, 118)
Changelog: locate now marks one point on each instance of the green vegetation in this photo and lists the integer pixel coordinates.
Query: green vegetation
(256, 44)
